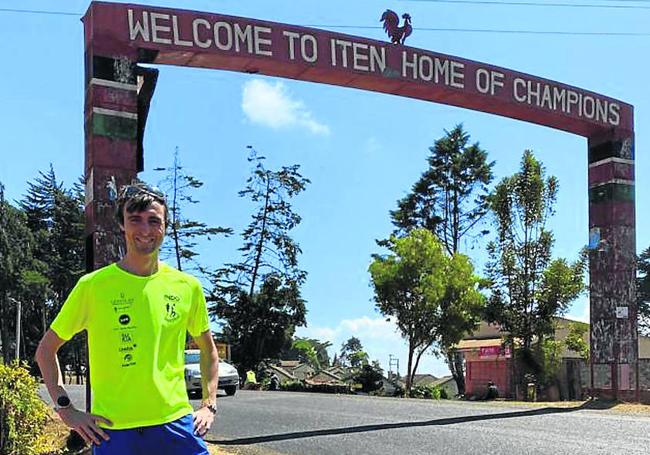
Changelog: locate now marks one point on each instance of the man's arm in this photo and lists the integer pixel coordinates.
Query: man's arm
(49, 364)
(204, 417)
(83, 423)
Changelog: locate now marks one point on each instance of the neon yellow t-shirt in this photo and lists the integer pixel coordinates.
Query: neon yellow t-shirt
(136, 339)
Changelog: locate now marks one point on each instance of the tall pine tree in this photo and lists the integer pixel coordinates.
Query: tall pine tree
(16, 262)
(259, 297)
(55, 215)
(183, 233)
(450, 200)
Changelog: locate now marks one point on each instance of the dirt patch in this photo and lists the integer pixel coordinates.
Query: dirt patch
(243, 450)
(601, 405)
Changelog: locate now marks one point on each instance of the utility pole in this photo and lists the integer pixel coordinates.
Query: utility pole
(18, 320)
(393, 361)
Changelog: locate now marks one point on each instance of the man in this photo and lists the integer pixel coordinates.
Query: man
(136, 313)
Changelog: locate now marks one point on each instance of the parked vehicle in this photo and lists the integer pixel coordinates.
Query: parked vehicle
(228, 376)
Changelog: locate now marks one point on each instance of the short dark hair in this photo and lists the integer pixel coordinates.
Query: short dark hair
(137, 197)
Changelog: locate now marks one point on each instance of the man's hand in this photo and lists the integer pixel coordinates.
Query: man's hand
(85, 424)
(203, 419)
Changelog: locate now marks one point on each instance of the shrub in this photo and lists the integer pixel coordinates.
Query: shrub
(329, 388)
(430, 391)
(369, 377)
(399, 391)
(575, 339)
(293, 386)
(22, 413)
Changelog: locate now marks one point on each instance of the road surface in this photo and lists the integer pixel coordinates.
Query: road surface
(317, 424)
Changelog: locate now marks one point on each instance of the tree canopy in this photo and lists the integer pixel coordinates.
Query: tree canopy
(258, 299)
(451, 196)
(528, 287)
(433, 298)
(42, 255)
(450, 199)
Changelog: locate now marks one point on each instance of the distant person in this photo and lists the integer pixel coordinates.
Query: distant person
(275, 382)
(251, 380)
(492, 391)
(136, 312)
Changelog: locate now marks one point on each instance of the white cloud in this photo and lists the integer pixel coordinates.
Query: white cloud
(379, 338)
(270, 105)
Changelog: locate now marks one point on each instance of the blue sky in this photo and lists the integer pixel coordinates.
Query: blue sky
(361, 150)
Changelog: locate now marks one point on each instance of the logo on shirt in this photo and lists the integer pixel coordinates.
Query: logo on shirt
(124, 319)
(122, 302)
(170, 307)
(172, 315)
(127, 360)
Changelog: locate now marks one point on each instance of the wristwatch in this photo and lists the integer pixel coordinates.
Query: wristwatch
(62, 402)
(212, 407)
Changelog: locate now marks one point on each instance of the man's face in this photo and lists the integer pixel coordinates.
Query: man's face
(144, 231)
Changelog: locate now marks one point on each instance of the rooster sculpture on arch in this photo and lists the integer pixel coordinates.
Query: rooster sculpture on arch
(396, 33)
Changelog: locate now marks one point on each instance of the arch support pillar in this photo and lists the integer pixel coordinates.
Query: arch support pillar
(612, 267)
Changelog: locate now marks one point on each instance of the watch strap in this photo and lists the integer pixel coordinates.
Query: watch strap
(212, 407)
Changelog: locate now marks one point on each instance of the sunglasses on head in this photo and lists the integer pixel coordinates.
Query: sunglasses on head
(133, 190)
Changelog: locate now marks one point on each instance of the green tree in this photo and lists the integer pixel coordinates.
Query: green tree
(258, 327)
(322, 354)
(300, 346)
(268, 248)
(450, 199)
(451, 196)
(352, 353)
(459, 313)
(575, 339)
(550, 354)
(306, 352)
(16, 259)
(424, 290)
(527, 286)
(643, 291)
(370, 376)
(184, 232)
(55, 215)
(269, 257)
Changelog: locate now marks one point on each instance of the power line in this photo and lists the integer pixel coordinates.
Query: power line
(424, 29)
(31, 11)
(485, 30)
(534, 3)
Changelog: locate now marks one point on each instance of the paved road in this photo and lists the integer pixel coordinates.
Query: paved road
(306, 424)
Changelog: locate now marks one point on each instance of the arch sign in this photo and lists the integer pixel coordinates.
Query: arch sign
(118, 94)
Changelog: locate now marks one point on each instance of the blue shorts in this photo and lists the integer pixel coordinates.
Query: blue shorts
(173, 438)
